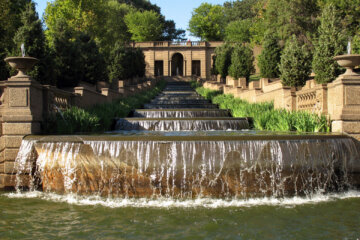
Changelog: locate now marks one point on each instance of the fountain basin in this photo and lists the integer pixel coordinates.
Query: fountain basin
(348, 61)
(189, 165)
(22, 64)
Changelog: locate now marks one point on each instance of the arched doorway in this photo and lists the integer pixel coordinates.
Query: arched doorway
(177, 65)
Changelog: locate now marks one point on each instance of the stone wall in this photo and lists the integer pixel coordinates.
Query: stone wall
(339, 100)
(25, 105)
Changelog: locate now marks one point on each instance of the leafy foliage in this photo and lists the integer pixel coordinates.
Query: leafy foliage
(10, 21)
(144, 26)
(331, 42)
(269, 59)
(208, 22)
(126, 63)
(238, 31)
(242, 62)
(32, 36)
(295, 63)
(223, 59)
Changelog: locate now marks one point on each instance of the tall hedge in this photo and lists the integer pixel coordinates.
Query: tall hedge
(331, 42)
(223, 59)
(269, 59)
(126, 62)
(242, 62)
(295, 63)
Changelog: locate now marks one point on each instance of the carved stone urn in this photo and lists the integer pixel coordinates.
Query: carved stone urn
(348, 61)
(22, 64)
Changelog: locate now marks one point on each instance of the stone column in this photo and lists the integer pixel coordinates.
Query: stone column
(22, 116)
(344, 104)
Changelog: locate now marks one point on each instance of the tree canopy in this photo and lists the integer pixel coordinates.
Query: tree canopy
(208, 22)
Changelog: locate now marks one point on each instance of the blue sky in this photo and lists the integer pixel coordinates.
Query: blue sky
(177, 10)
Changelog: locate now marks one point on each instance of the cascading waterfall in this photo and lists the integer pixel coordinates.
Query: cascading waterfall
(182, 124)
(182, 151)
(188, 169)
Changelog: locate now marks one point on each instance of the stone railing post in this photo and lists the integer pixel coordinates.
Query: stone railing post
(344, 104)
(22, 116)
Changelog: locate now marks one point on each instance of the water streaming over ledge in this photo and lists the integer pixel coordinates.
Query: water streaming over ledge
(176, 159)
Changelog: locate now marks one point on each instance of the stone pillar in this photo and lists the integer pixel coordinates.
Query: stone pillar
(344, 104)
(22, 116)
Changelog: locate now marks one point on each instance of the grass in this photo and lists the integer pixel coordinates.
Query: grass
(265, 117)
(98, 118)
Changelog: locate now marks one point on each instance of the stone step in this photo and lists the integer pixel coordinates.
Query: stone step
(180, 106)
(180, 113)
(182, 124)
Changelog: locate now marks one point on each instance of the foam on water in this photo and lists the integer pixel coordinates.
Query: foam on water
(178, 203)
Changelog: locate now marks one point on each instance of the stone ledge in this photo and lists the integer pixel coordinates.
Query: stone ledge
(21, 129)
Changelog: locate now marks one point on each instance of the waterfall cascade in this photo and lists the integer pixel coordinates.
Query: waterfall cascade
(170, 152)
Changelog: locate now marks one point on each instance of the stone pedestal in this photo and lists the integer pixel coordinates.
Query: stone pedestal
(344, 104)
(22, 116)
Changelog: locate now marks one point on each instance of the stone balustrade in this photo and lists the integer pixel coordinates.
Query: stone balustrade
(339, 100)
(25, 105)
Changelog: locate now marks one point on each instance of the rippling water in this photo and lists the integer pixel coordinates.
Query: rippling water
(49, 216)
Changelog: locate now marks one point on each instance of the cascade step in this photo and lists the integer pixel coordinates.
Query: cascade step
(181, 113)
(161, 106)
(182, 124)
(171, 101)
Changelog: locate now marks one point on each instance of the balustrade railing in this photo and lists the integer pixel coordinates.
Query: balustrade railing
(56, 99)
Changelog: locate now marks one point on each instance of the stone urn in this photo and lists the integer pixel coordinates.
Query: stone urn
(348, 61)
(22, 64)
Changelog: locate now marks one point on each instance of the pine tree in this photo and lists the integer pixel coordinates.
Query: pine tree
(223, 59)
(295, 63)
(269, 59)
(241, 62)
(32, 36)
(331, 42)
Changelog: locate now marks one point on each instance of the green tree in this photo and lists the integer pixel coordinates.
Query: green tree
(331, 42)
(348, 11)
(144, 26)
(223, 59)
(208, 22)
(10, 21)
(295, 63)
(126, 62)
(240, 10)
(292, 17)
(170, 31)
(32, 36)
(269, 59)
(238, 31)
(242, 62)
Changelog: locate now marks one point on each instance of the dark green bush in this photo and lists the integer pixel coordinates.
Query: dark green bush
(269, 59)
(331, 42)
(295, 63)
(223, 59)
(242, 62)
(126, 62)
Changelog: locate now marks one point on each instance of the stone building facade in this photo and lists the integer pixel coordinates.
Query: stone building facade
(178, 58)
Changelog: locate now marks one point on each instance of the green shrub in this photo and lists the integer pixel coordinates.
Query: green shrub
(265, 117)
(242, 59)
(331, 42)
(223, 59)
(269, 59)
(295, 63)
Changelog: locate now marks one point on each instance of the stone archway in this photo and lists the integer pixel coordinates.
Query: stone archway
(177, 65)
